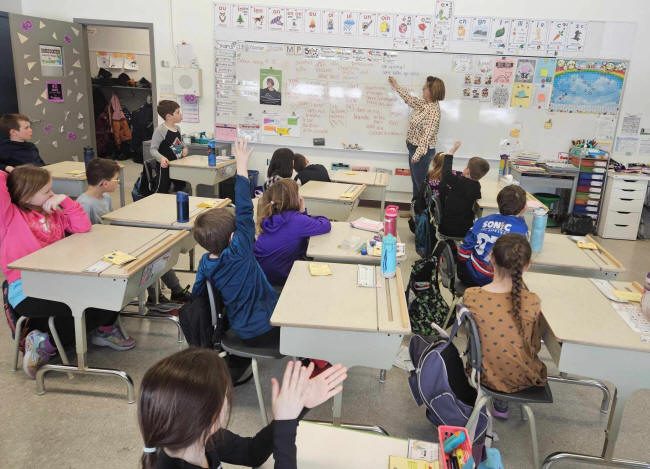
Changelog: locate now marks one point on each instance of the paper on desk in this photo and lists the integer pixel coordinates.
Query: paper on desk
(207, 205)
(76, 172)
(351, 173)
(347, 195)
(587, 245)
(98, 267)
(319, 269)
(367, 224)
(118, 258)
(632, 315)
(628, 295)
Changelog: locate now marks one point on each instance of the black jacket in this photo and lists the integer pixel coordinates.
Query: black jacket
(313, 172)
(278, 438)
(458, 195)
(18, 153)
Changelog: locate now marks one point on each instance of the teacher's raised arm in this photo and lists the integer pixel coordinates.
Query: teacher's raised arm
(423, 124)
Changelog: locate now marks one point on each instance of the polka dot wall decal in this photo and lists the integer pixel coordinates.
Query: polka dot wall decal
(41, 25)
(27, 25)
(22, 38)
(72, 136)
(67, 39)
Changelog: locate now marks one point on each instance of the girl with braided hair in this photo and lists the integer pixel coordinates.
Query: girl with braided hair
(508, 320)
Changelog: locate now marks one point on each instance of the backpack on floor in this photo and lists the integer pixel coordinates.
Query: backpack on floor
(425, 303)
(202, 325)
(439, 380)
(149, 181)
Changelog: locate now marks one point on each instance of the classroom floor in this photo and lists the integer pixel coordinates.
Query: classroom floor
(93, 426)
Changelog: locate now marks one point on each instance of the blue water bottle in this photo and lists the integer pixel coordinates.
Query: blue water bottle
(212, 157)
(89, 154)
(388, 256)
(182, 207)
(540, 216)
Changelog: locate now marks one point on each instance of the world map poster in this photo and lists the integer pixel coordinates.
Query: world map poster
(591, 86)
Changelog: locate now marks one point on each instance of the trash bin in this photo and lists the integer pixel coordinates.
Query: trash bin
(550, 200)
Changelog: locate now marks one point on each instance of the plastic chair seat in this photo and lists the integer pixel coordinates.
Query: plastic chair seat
(235, 346)
(532, 395)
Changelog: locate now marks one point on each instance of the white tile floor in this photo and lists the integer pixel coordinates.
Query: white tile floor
(91, 425)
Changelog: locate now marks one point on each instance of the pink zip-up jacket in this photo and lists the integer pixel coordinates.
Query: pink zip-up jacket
(17, 239)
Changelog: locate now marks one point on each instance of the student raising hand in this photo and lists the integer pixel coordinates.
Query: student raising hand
(298, 391)
(242, 154)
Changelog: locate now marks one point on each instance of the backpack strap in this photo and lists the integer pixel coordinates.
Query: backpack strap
(464, 317)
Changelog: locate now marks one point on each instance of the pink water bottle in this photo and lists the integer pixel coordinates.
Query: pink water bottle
(390, 220)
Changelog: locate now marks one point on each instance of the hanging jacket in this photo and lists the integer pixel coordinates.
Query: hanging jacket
(119, 124)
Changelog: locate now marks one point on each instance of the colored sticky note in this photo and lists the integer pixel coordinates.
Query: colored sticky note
(587, 245)
(282, 130)
(628, 295)
(118, 258)
(543, 72)
(76, 172)
(292, 121)
(352, 173)
(207, 205)
(319, 269)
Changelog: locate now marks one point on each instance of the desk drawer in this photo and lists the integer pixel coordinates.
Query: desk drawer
(620, 231)
(625, 205)
(627, 193)
(629, 184)
(622, 218)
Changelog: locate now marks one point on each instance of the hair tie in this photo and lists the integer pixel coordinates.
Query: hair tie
(272, 203)
(149, 450)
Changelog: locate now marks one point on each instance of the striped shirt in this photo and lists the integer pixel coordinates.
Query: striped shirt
(424, 122)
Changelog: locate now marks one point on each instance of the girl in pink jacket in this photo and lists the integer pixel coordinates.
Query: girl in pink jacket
(32, 217)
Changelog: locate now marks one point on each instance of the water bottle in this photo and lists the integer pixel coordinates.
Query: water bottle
(503, 165)
(390, 220)
(89, 154)
(540, 217)
(388, 256)
(182, 207)
(212, 157)
(645, 298)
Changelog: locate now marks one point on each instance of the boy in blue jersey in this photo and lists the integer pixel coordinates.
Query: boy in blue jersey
(474, 267)
(230, 263)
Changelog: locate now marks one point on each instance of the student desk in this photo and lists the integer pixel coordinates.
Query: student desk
(331, 199)
(558, 179)
(327, 247)
(376, 183)
(487, 204)
(195, 170)
(323, 446)
(57, 272)
(159, 211)
(344, 323)
(561, 255)
(587, 337)
(75, 184)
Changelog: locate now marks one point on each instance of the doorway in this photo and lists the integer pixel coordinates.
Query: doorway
(8, 97)
(121, 64)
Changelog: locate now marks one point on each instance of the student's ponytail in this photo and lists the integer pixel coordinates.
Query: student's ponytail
(280, 197)
(511, 253)
(149, 459)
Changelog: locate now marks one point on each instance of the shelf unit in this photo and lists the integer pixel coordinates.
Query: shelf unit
(592, 166)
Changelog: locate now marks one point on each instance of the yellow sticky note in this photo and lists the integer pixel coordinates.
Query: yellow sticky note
(351, 173)
(543, 72)
(628, 295)
(118, 258)
(76, 172)
(282, 131)
(319, 268)
(587, 245)
(207, 205)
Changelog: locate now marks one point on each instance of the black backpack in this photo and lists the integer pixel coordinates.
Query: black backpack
(202, 325)
(425, 303)
(580, 225)
(149, 181)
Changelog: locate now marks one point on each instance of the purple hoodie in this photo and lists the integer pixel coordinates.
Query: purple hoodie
(284, 239)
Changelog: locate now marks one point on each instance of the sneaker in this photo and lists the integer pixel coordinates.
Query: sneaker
(182, 296)
(112, 338)
(500, 410)
(36, 354)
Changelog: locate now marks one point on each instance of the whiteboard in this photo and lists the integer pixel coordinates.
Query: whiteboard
(342, 96)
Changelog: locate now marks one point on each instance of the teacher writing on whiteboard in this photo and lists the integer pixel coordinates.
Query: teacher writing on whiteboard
(423, 125)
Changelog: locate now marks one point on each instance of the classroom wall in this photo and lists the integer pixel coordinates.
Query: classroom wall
(113, 39)
(191, 21)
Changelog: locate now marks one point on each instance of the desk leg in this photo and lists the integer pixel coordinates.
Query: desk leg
(337, 404)
(611, 434)
(122, 195)
(383, 203)
(191, 255)
(574, 189)
(81, 368)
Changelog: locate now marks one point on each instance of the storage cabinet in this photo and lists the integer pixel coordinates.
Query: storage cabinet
(622, 206)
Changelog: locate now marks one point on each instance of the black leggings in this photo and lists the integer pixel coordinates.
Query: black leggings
(39, 310)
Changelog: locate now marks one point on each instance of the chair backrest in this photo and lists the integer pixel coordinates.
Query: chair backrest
(437, 209)
(464, 319)
(446, 266)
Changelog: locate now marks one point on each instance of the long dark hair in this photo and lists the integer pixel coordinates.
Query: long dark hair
(512, 253)
(280, 197)
(181, 397)
(281, 163)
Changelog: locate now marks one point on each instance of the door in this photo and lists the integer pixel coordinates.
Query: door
(51, 79)
(8, 100)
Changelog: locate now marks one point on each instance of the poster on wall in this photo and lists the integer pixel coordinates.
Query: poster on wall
(277, 19)
(130, 62)
(295, 20)
(54, 91)
(422, 27)
(460, 29)
(537, 35)
(385, 25)
(480, 29)
(500, 33)
(242, 16)
(592, 86)
(51, 60)
(270, 86)
(330, 22)
(259, 18)
(575, 39)
(103, 59)
(116, 60)
(349, 23)
(222, 15)
(367, 24)
(190, 108)
(312, 21)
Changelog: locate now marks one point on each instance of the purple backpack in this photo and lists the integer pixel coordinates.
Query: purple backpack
(439, 380)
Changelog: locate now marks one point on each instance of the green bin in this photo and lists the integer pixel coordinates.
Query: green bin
(550, 200)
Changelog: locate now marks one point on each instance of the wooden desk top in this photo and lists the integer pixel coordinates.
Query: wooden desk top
(201, 161)
(576, 311)
(559, 250)
(328, 245)
(354, 448)
(79, 251)
(369, 178)
(336, 302)
(490, 189)
(331, 191)
(61, 169)
(159, 210)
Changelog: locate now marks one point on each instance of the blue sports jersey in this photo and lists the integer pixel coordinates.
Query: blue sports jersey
(474, 252)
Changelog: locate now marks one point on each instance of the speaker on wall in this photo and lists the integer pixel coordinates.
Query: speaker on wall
(186, 81)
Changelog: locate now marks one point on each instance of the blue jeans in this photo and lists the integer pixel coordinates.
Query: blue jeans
(420, 169)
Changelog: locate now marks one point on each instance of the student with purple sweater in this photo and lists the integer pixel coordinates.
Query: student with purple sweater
(284, 229)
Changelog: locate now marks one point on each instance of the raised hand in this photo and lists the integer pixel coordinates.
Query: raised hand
(455, 147)
(325, 386)
(393, 82)
(289, 400)
(242, 155)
